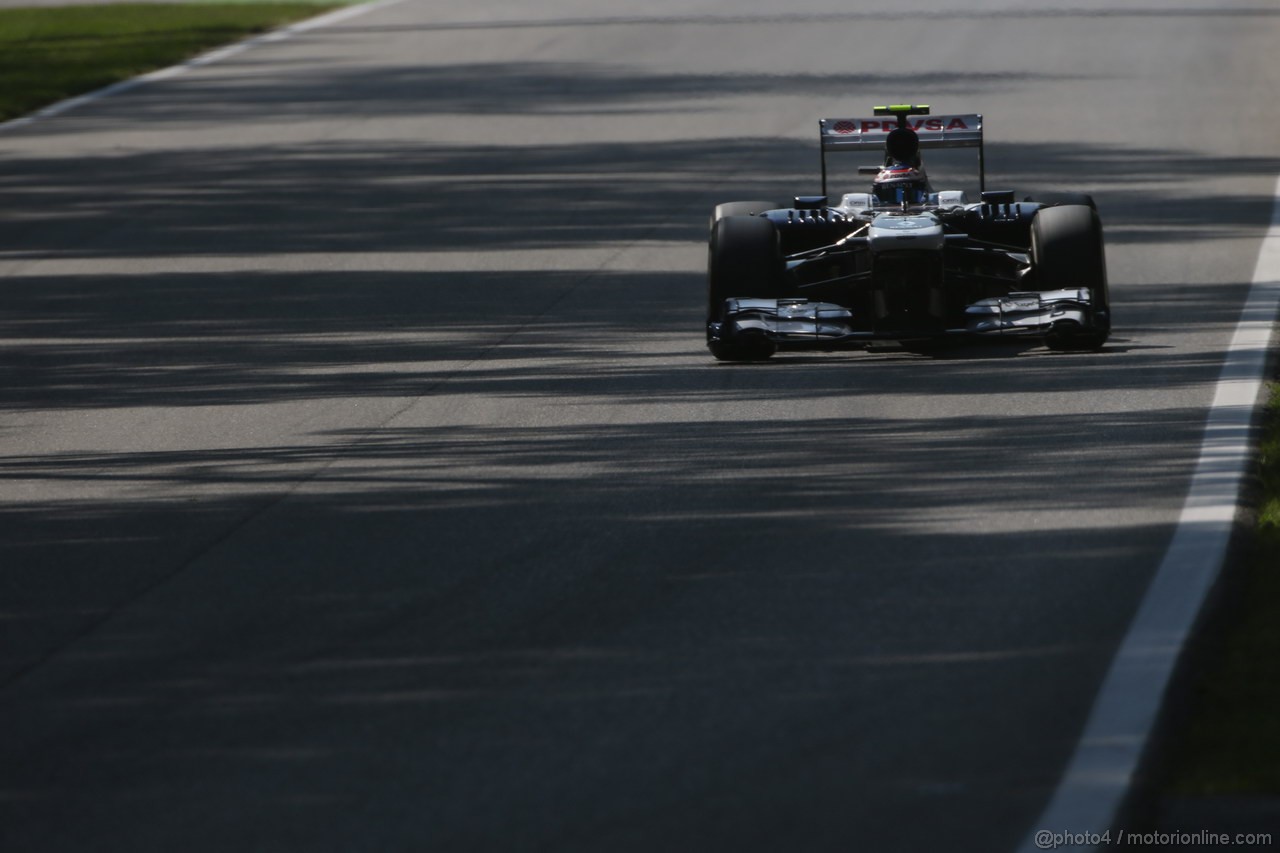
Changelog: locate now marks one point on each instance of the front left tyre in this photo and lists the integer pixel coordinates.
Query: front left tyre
(1067, 252)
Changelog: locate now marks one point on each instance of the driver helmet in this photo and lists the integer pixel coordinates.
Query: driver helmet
(901, 183)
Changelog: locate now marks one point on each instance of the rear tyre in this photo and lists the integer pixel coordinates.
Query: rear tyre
(1059, 199)
(740, 208)
(744, 259)
(1067, 250)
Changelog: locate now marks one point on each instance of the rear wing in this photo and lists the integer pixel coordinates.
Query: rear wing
(856, 134)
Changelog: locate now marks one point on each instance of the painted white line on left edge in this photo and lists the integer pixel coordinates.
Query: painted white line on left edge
(209, 58)
(1101, 771)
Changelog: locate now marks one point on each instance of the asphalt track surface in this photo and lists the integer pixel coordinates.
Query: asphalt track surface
(367, 486)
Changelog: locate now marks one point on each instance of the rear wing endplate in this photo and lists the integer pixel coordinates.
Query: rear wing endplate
(856, 134)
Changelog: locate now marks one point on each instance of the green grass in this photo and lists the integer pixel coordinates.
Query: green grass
(1269, 514)
(1231, 743)
(48, 54)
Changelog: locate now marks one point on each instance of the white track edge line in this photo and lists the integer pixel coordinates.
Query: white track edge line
(216, 55)
(1091, 792)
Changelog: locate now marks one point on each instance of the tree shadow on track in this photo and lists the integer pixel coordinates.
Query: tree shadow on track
(257, 338)
(700, 595)
(709, 592)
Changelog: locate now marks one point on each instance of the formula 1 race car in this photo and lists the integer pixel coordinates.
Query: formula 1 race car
(903, 262)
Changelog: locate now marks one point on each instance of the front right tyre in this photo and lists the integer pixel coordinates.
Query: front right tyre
(744, 259)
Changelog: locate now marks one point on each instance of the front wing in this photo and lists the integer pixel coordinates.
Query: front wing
(802, 324)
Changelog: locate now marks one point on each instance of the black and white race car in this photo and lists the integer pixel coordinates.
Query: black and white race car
(904, 262)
